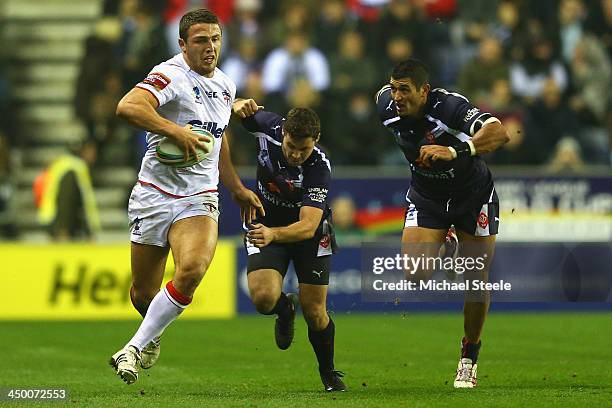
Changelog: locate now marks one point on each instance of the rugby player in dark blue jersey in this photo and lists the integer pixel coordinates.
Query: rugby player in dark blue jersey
(443, 136)
(293, 176)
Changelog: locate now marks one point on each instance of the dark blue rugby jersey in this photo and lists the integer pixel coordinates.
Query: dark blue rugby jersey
(449, 119)
(284, 189)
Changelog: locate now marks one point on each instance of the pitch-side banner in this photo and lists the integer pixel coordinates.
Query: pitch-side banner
(533, 208)
(90, 281)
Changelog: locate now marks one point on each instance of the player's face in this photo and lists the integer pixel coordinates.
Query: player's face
(408, 98)
(201, 50)
(297, 151)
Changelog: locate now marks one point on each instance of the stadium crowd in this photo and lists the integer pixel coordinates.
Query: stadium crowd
(542, 66)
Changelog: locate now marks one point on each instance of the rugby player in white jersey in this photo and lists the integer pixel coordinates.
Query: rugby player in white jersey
(177, 208)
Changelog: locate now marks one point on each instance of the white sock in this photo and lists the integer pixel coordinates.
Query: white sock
(166, 306)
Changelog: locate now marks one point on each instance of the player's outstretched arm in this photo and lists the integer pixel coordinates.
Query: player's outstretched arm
(138, 106)
(245, 107)
(247, 200)
(305, 228)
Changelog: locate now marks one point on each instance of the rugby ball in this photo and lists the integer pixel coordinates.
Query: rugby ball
(169, 153)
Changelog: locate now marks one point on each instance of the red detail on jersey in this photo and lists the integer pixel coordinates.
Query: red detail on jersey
(325, 240)
(273, 188)
(430, 138)
(483, 220)
(157, 80)
(176, 295)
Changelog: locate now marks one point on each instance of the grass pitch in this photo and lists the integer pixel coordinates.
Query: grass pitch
(389, 360)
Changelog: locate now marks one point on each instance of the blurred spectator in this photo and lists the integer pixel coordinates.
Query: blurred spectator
(522, 148)
(528, 77)
(245, 25)
(510, 28)
(333, 20)
(295, 17)
(8, 228)
(566, 157)
(145, 46)
(244, 61)
(344, 216)
(599, 22)
(476, 15)
(295, 60)
(351, 70)
(401, 20)
(477, 76)
(551, 119)
(397, 49)
(571, 16)
(65, 197)
(98, 86)
(592, 79)
(354, 132)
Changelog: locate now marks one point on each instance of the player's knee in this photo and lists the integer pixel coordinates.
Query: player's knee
(188, 276)
(263, 300)
(315, 314)
(142, 296)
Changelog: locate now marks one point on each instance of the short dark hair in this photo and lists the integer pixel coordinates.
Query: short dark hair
(302, 123)
(200, 16)
(412, 69)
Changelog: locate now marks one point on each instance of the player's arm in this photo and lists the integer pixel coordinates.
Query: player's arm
(247, 200)
(138, 106)
(489, 138)
(305, 228)
(245, 107)
(488, 134)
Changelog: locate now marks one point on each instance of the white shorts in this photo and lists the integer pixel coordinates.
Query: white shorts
(152, 213)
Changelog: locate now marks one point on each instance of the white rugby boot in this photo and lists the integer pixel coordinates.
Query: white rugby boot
(126, 362)
(466, 374)
(150, 354)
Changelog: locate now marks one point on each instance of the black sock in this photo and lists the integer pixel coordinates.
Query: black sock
(282, 307)
(470, 350)
(323, 346)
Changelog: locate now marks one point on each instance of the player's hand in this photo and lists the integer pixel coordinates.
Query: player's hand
(245, 107)
(249, 205)
(432, 153)
(260, 235)
(188, 141)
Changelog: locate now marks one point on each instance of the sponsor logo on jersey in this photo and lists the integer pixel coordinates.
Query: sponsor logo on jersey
(325, 240)
(226, 97)
(157, 80)
(470, 114)
(211, 94)
(483, 220)
(212, 127)
(197, 95)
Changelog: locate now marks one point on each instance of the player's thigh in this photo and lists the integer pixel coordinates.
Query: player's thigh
(193, 241)
(148, 265)
(421, 243)
(265, 284)
(478, 251)
(476, 247)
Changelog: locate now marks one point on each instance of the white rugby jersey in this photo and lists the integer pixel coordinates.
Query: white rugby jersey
(186, 97)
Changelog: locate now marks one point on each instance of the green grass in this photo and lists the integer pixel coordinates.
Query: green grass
(389, 360)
